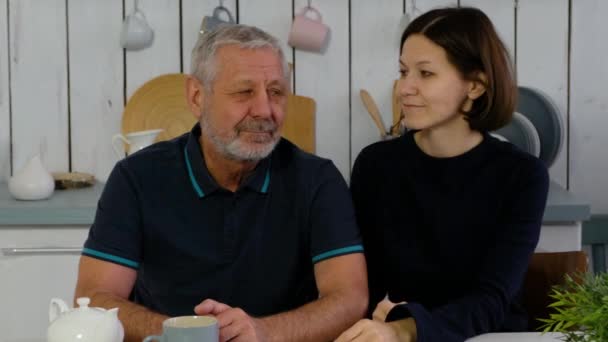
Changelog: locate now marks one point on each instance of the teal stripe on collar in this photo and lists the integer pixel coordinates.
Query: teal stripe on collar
(337, 252)
(266, 181)
(195, 185)
(110, 257)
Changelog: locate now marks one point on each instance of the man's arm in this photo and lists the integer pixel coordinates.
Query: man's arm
(343, 298)
(109, 285)
(342, 285)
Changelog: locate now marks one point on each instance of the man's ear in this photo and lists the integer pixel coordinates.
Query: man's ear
(478, 87)
(195, 96)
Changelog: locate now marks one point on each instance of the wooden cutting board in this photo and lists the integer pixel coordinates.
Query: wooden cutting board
(161, 103)
(299, 125)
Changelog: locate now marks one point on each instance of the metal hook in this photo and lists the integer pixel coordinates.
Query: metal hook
(136, 5)
(309, 3)
(221, 3)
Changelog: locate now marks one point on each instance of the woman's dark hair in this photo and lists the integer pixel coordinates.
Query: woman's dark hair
(472, 45)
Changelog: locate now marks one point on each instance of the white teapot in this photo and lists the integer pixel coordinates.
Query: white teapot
(83, 324)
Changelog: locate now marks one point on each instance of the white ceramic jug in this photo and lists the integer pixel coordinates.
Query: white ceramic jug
(135, 140)
(33, 182)
(83, 324)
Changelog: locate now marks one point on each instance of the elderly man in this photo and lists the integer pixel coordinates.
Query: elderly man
(229, 219)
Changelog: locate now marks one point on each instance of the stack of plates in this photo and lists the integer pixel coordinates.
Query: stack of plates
(537, 126)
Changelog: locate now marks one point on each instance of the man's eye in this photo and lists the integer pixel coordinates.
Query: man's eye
(245, 91)
(276, 92)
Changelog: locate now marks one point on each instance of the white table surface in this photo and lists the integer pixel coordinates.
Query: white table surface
(517, 337)
(493, 337)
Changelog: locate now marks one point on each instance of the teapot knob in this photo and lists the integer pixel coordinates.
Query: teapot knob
(83, 302)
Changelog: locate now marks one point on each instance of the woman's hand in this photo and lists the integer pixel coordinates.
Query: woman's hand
(370, 331)
(373, 331)
(383, 308)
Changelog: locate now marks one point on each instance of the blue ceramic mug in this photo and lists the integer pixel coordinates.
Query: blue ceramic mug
(188, 329)
(212, 22)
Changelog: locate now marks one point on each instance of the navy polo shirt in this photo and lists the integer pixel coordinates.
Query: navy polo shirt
(162, 214)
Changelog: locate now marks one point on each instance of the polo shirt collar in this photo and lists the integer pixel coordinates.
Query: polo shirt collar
(200, 178)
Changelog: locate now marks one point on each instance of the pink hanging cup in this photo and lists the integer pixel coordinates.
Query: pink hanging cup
(308, 33)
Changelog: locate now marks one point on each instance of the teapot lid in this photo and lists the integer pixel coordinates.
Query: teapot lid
(83, 323)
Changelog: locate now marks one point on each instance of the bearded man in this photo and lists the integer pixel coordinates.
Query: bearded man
(230, 219)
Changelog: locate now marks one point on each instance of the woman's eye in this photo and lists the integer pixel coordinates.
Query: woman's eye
(403, 72)
(425, 73)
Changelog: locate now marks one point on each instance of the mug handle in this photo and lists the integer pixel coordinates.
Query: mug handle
(152, 338)
(219, 9)
(140, 14)
(307, 9)
(117, 138)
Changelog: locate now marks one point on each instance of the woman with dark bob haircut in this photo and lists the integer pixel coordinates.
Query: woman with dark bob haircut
(449, 215)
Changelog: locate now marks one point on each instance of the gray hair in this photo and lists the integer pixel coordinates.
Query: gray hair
(203, 65)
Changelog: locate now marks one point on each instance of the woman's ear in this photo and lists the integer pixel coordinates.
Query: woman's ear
(478, 86)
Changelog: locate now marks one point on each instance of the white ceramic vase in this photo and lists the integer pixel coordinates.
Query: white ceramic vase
(33, 182)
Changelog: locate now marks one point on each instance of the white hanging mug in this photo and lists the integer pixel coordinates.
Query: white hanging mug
(136, 33)
(135, 140)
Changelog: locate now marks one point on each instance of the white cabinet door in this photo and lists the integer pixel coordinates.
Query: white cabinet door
(36, 264)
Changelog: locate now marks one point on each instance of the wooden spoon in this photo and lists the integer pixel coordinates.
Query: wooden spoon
(396, 128)
(373, 110)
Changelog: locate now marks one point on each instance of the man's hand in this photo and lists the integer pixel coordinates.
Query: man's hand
(383, 308)
(370, 331)
(234, 323)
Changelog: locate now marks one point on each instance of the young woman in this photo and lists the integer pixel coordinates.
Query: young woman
(449, 215)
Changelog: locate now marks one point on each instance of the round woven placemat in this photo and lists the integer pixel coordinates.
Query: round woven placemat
(159, 103)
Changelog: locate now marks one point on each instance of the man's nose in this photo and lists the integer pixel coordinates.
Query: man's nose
(260, 107)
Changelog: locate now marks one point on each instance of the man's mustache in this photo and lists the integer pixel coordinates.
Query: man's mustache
(258, 126)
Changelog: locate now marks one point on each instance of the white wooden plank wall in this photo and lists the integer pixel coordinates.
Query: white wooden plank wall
(542, 60)
(425, 5)
(69, 76)
(96, 83)
(38, 62)
(163, 56)
(5, 123)
(193, 12)
(324, 77)
(374, 65)
(272, 16)
(589, 103)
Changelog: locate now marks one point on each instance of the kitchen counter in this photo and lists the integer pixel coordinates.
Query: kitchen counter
(64, 207)
(77, 207)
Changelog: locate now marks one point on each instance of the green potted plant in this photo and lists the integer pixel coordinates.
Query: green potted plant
(581, 308)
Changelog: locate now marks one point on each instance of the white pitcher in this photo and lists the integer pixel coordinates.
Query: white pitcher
(135, 140)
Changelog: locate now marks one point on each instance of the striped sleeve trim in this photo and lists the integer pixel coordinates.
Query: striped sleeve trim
(110, 257)
(337, 252)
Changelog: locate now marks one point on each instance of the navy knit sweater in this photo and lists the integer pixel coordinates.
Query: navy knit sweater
(450, 236)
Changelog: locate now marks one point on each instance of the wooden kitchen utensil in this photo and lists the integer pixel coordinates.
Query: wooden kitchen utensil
(396, 108)
(299, 125)
(373, 111)
(161, 103)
